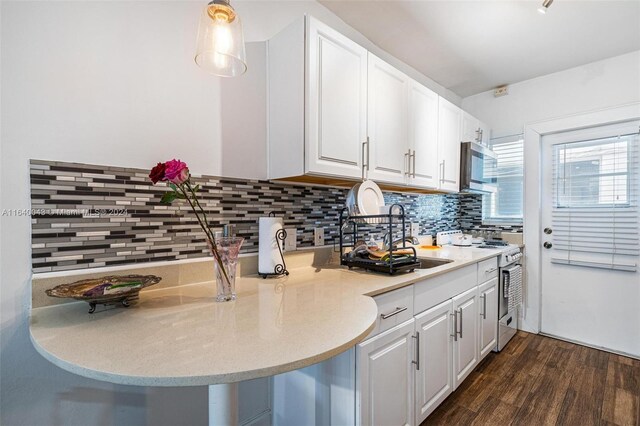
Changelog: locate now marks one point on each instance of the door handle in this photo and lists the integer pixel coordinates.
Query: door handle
(455, 326)
(548, 231)
(460, 310)
(547, 245)
(484, 305)
(417, 361)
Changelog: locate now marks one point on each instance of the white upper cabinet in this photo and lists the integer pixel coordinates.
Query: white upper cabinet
(423, 137)
(469, 128)
(387, 123)
(449, 125)
(336, 110)
(337, 102)
(317, 109)
(473, 130)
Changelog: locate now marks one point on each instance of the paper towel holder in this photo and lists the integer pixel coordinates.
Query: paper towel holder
(281, 268)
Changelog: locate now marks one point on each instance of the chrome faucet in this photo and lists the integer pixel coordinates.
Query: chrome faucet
(386, 245)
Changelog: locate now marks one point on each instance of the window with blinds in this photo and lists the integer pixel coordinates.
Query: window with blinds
(505, 205)
(595, 203)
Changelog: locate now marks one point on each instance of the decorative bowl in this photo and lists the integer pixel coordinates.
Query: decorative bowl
(105, 290)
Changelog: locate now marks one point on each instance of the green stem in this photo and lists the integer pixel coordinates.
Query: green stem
(205, 228)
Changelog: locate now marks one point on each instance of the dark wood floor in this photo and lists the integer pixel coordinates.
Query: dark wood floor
(537, 380)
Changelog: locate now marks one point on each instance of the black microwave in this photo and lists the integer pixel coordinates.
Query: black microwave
(478, 168)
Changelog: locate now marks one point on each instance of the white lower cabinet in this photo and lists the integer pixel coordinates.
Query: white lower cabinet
(434, 380)
(406, 372)
(488, 330)
(465, 341)
(385, 377)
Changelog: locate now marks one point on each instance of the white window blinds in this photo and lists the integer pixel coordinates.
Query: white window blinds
(595, 203)
(505, 205)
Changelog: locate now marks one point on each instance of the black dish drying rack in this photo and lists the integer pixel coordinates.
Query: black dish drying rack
(349, 235)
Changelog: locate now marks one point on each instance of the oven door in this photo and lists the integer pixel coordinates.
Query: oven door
(478, 168)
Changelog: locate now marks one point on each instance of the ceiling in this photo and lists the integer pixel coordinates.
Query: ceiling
(473, 46)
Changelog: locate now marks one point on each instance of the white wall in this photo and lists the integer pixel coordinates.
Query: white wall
(113, 83)
(603, 84)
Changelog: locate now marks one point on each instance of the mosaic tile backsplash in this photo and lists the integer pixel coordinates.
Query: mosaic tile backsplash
(89, 216)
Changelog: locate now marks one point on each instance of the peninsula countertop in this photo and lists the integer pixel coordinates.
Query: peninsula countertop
(179, 336)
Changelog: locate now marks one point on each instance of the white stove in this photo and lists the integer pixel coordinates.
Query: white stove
(454, 238)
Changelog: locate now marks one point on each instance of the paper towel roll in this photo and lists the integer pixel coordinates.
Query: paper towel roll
(268, 253)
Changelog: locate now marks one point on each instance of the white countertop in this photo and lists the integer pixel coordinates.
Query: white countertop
(179, 336)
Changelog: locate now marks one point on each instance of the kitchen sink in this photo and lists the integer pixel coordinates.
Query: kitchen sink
(432, 263)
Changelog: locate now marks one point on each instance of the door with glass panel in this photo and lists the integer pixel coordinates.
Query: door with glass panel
(591, 248)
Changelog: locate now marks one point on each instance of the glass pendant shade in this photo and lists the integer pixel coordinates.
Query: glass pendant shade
(220, 45)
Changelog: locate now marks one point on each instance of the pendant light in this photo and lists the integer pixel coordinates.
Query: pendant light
(220, 45)
(545, 6)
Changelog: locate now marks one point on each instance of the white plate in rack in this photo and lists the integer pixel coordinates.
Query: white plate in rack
(369, 198)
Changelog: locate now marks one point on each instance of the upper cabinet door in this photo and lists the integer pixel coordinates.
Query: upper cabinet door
(423, 136)
(449, 123)
(469, 128)
(336, 103)
(387, 123)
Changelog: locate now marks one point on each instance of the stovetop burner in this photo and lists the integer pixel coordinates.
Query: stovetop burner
(496, 243)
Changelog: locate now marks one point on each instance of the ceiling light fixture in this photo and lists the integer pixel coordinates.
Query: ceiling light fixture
(220, 44)
(545, 5)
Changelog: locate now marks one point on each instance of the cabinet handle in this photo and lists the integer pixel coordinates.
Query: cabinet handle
(455, 326)
(368, 152)
(407, 163)
(390, 314)
(442, 171)
(365, 164)
(460, 311)
(414, 163)
(484, 305)
(489, 271)
(417, 361)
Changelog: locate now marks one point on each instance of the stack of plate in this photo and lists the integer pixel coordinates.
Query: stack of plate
(365, 199)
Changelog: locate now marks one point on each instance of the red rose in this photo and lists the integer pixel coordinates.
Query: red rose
(176, 171)
(157, 173)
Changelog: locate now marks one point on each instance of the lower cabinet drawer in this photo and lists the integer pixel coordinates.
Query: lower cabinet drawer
(432, 291)
(487, 269)
(394, 308)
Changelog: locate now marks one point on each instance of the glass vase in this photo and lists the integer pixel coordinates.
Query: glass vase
(228, 249)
